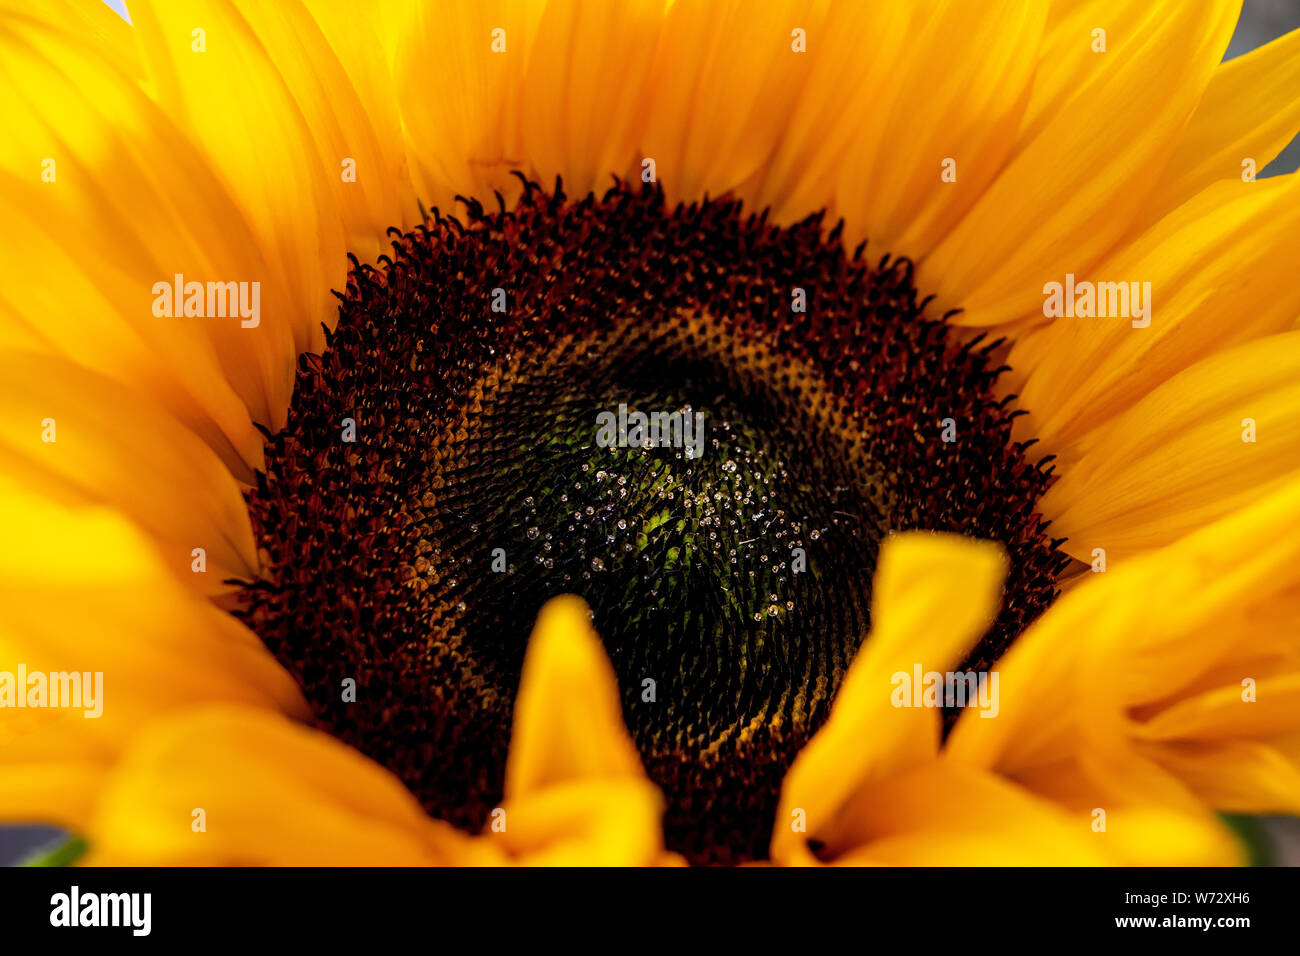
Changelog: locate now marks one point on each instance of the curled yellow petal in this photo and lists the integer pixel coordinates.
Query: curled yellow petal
(1151, 673)
(568, 724)
(933, 596)
(575, 788)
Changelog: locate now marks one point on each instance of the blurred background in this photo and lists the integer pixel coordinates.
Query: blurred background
(1277, 838)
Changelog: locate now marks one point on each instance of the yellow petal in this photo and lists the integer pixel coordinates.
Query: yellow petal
(460, 108)
(113, 447)
(158, 210)
(102, 199)
(1178, 459)
(84, 592)
(53, 791)
(932, 598)
(722, 89)
(1068, 59)
(1153, 835)
(1077, 184)
(1136, 812)
(943, 814)
(109, 30)
(1102, 673)
(1250, 111)
(1040, 697)
(1225, 711)
(965, 113)
(581, 112)
(232, 786)
(1239, 776)
(216, 80)
(568, 722)
(331, 62)
(575, 790)
(602, 822)
(841, 97)
(1224, 594)
(1210, 289)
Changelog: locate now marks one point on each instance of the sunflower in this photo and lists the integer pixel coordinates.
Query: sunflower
(310, 311)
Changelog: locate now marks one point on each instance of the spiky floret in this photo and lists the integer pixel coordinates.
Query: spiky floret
(731, 586)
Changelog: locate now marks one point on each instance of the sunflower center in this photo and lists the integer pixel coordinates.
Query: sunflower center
(701, 423)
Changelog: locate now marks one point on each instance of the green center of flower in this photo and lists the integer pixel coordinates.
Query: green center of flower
(701, 424)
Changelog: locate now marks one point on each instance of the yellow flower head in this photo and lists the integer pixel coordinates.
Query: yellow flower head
(544, 432)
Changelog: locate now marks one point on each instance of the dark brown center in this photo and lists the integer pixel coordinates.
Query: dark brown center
(701, 423)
